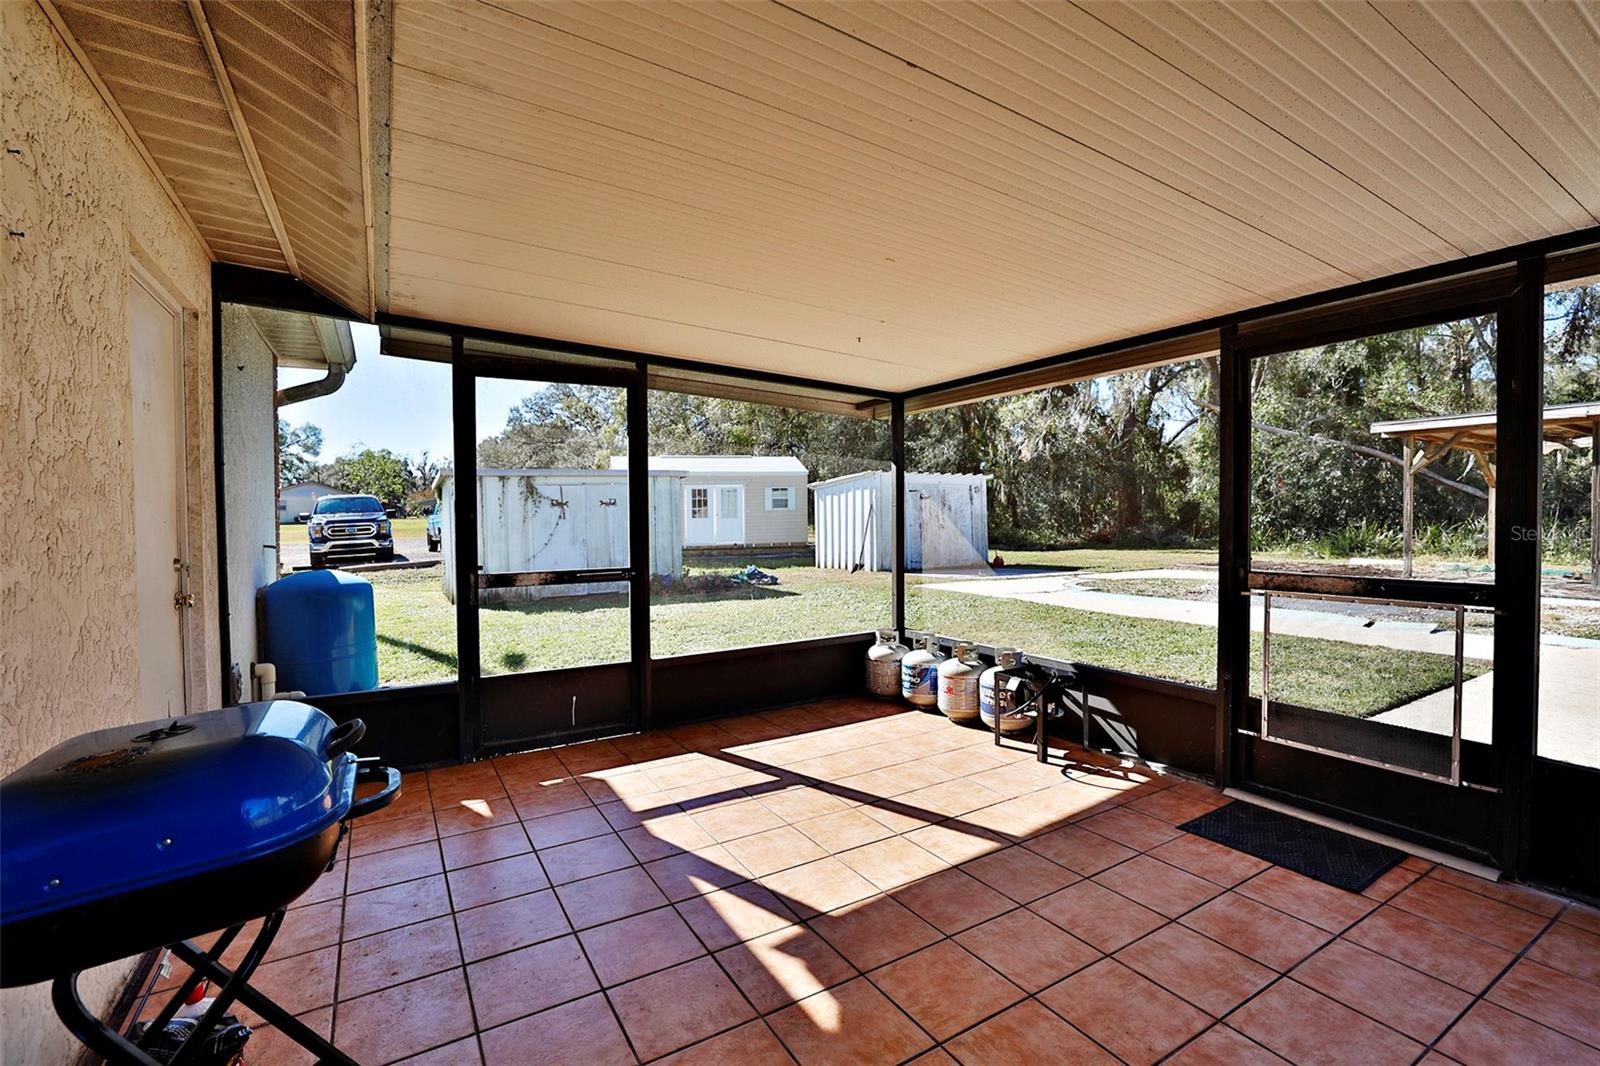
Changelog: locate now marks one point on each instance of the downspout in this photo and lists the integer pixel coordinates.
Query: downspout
(310, 390)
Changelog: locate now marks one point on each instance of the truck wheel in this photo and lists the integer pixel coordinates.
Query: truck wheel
(386, 555)
(318, 563)
(433, 545)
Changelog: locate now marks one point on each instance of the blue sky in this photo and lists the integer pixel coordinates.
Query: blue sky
(399, 404)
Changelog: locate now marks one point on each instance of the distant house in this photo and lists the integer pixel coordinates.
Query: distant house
(295, 500)
(737, 500)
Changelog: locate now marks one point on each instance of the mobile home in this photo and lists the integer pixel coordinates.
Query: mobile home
(737, 501)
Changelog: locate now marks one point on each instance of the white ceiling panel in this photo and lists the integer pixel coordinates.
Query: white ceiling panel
(893, 194)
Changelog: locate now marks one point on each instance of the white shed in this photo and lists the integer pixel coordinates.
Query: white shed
(534, 520)
(748, 501)
(947, 521)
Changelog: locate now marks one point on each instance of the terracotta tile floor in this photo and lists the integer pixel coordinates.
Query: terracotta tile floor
(853, 882)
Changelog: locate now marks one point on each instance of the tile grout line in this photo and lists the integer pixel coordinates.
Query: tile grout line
(1482, 996)
(450, 897)
(1285, 975)
(600, 986)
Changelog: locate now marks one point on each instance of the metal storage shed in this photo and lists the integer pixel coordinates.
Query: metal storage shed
(947, 521)
(539, 520)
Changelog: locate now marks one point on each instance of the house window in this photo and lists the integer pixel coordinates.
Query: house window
(778, 498)
(699, 503)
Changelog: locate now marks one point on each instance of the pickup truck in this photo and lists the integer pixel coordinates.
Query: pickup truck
(435, 532)
(348, 527)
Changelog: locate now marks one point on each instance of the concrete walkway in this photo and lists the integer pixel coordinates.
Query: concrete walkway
(1569, 706)
(1062, 590)
(1569, 686)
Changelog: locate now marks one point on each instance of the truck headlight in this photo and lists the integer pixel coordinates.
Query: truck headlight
(383, 528)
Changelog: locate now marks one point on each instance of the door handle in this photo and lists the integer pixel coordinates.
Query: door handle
(180, 600)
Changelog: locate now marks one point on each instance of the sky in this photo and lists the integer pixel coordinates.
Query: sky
(399, 404)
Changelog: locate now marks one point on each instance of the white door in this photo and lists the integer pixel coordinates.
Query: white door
(158, 497)
(713, 514)
(730, 514)
(699, 522)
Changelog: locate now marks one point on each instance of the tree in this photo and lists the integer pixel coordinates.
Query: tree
(298, 449)
(372, 471)
(576, 426)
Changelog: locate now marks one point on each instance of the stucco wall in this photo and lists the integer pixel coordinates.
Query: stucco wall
(83, 202)
(249, 478)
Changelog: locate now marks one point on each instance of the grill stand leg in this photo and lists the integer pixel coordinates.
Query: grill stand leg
(230, 988)
(178, 998)
(113, 1047)
(275, 1015)
(91, 1032)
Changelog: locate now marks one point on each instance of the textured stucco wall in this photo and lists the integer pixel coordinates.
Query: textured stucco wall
(83, 203)
(249, 477)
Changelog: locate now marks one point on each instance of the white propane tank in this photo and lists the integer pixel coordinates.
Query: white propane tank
(993, 694)
(958, 684)
(919, 678)
(883, 665)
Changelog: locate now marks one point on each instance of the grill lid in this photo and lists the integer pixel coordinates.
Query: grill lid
(125, 808)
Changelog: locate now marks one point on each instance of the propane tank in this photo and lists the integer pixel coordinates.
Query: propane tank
(958, 684)
(883, 665)
(993, 695)
(919, 679)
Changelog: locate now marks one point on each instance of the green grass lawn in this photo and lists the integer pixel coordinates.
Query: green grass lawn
(416, 631)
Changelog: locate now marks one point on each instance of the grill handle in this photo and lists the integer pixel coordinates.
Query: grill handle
(344, 737)
(390, 792)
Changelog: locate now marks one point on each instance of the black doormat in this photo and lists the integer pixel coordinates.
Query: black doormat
(1328, 855)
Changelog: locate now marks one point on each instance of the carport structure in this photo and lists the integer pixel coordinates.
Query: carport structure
(1424, 441)
(860, 208)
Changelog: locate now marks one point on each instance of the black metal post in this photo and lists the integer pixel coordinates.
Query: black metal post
(1233, 564)
(639, 545)
(464, 442)
(897, 449)
(1519, 450)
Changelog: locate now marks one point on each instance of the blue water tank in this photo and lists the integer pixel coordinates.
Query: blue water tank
(321, 632)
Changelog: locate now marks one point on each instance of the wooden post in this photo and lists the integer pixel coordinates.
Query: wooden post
(1408, 479)
(1490, 478)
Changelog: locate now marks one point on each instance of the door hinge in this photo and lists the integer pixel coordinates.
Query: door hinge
(181, 600)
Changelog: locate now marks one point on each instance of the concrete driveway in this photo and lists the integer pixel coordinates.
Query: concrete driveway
(294, 553)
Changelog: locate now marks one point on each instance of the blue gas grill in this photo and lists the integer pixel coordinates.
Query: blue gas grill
(125, 840)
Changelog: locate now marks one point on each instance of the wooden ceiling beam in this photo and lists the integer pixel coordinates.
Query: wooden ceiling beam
(365, 13)
(76, 49)
(241, 129)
